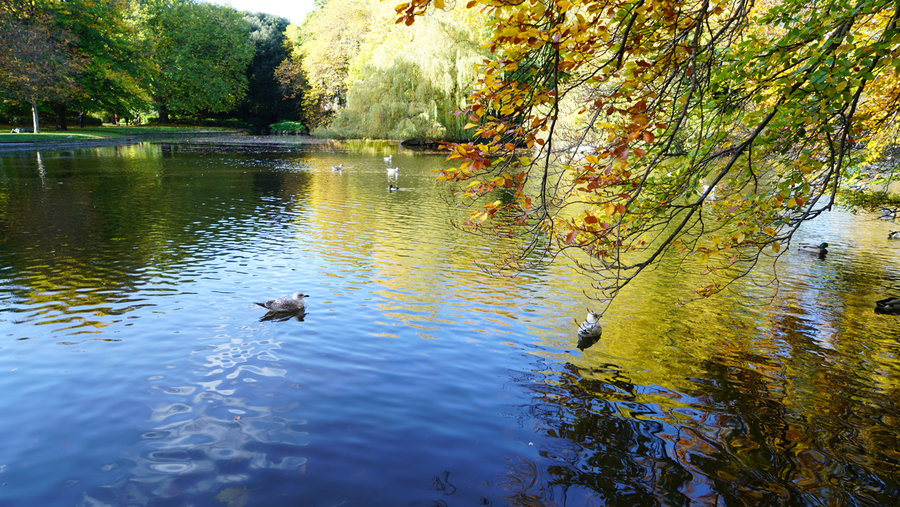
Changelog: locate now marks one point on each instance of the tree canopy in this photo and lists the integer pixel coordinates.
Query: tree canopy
(86, 58)
(200, 53)
(702, 128)
(105, 56)
(35, 62)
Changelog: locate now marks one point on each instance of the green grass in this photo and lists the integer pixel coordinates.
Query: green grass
(49, 136)
(96, 133)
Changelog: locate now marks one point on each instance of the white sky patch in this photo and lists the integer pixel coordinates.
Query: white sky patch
(294, 10)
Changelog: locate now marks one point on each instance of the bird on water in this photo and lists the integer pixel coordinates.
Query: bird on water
(283, 304)
(589, 331)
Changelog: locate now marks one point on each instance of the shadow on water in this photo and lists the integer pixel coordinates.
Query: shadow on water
(283, 316)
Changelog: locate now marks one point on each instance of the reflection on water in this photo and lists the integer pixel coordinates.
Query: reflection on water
(137, 370)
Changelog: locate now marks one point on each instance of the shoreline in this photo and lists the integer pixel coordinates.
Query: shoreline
(209, 138)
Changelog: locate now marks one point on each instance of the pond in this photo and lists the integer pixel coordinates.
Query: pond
(135, 368)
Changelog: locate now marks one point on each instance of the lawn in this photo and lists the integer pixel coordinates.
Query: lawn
(98, 133)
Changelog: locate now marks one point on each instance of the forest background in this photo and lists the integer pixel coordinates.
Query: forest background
(349, 70)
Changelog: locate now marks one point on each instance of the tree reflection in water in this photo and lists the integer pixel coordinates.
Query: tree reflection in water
(733, 442)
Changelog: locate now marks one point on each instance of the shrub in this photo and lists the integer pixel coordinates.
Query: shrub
(288, 128)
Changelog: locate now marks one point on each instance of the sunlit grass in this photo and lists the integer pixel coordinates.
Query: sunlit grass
(49, 136)
(99, 132)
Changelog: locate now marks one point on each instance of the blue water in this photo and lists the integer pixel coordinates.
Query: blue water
(136, 370)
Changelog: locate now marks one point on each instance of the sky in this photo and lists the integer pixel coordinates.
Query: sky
(294, 10)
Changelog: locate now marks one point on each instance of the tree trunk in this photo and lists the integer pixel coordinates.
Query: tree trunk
(34, 118)
(60, 109)
(163, 114)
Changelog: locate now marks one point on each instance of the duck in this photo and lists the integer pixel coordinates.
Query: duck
(292, 304)
(820, 249)
(393, 170)
(889, 305)
(589, 331)
(894, 235)
(388, 159)
(392, 188)
(888, 213)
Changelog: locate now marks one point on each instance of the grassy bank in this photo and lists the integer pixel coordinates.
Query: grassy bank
(98, 133)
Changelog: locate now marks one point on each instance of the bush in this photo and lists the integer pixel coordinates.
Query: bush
(288, 128)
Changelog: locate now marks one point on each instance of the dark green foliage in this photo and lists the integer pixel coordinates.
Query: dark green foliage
(265, 103)
(201, 53)
(288, 128)
(114, 66)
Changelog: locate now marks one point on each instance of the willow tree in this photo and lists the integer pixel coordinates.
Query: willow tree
(702, 128)
(362, 74)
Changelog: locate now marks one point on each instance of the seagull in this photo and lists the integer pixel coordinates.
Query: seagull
(589, 331)
(388, 158)
(393, 170)
(337, 167)
(282, 304)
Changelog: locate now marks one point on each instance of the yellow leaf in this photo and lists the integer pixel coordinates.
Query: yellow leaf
(770, 231)
(439, 4)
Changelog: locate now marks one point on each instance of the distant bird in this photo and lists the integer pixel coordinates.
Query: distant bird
(388, 158)
(392, 188)
(337, 167)
(888, 305)
(821, 249)
(894, 235)
(282, 304)
(392, 171)
(589, 331)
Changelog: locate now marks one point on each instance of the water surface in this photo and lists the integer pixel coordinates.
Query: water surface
(136, 370)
